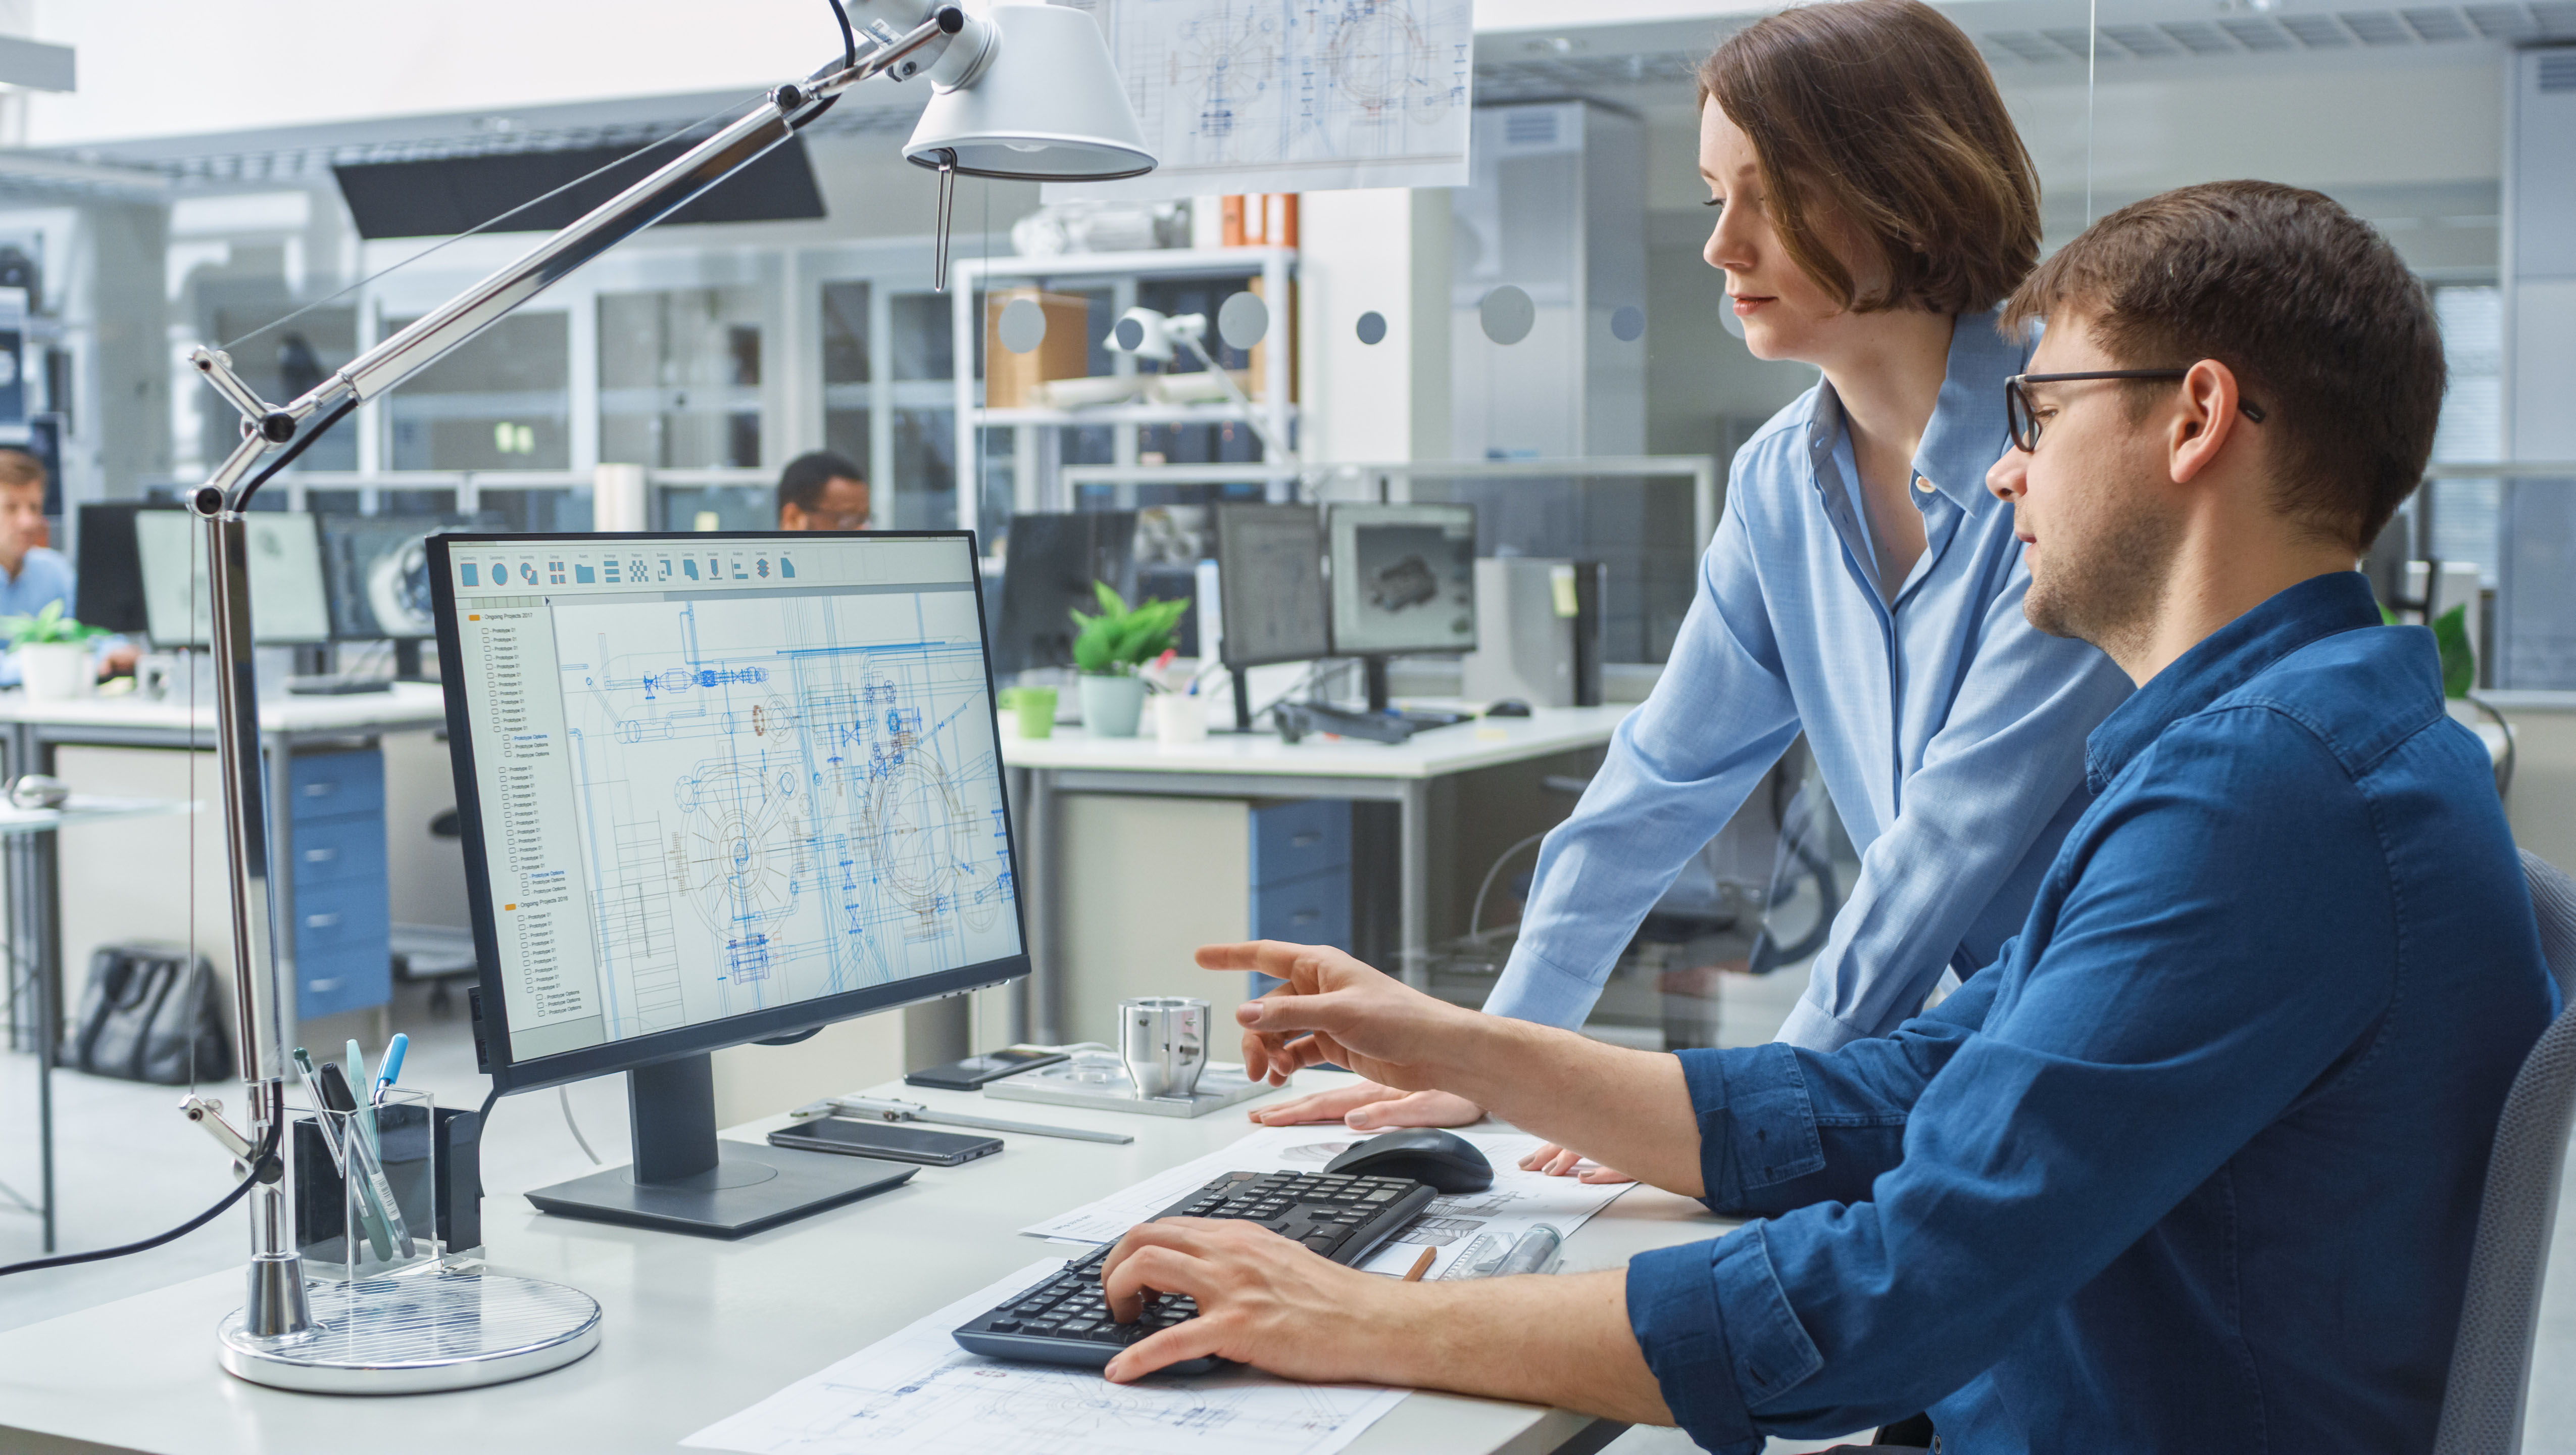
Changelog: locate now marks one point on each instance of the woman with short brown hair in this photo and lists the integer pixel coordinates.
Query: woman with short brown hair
(1874, 206)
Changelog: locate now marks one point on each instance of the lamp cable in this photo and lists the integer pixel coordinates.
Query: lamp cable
(263, 1168)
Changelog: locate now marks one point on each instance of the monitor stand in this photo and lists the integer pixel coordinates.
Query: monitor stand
(1374, 669)
(686, 1181)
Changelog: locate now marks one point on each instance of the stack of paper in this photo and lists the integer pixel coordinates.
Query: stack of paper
(918, 1392)
(1466, 1230)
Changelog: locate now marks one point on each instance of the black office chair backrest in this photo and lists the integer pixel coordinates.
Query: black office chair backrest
(2491, 1358)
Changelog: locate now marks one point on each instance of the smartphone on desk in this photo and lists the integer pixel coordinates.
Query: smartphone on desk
(892, 1140)
(972, 1073)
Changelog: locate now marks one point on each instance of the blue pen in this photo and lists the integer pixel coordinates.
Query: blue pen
(392, 1067)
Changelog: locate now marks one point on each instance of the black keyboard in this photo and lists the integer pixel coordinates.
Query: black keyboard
(1065, 1319)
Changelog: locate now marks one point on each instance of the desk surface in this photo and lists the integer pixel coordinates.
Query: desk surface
(407, 705)
(1477, 744)
(695, 1330)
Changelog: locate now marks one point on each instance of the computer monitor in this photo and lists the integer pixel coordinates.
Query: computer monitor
(377, 570)
(1047, 574)
(1404, 581)
(110, 594)
(715, 789)
(1270, 585)
(288, 605)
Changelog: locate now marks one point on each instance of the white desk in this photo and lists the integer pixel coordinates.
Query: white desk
(695, 1330)
(1259, 765)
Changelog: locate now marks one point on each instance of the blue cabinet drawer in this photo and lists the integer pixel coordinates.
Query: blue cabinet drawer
(326, 852)
(1299, 838)
(1315, 910)
(330, 924)
(329, 984)
(329, 785)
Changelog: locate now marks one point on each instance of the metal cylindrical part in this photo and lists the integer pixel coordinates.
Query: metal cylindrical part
(1163, 1040)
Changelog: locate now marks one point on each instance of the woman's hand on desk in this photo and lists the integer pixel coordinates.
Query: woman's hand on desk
(1370, 1107)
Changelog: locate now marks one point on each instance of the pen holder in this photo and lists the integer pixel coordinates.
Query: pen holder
(366, 1198)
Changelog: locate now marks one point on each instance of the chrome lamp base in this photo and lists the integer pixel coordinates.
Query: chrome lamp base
(418, 1335)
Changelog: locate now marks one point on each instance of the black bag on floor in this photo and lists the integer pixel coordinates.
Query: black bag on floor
(145, 1008)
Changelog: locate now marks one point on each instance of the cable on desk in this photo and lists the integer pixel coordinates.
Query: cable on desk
(264, 1167)
(564, 1094)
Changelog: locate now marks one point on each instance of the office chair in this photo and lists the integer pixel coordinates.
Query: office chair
(2490, 1380)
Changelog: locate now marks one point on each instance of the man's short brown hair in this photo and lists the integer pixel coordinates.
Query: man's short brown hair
(2308, 305)
(20, 469)
(1881, 113)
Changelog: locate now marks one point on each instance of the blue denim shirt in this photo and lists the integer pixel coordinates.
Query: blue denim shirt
(1950, 733)
(2196, 1165)
(44, 577)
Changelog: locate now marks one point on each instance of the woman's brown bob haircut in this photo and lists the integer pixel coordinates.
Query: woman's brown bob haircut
(1880, 115)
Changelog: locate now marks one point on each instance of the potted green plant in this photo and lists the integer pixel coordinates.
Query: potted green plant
(53, 653)
(1107, 650)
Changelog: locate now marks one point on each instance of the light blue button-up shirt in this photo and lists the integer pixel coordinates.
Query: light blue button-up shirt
(1949, 731)
(43, 578)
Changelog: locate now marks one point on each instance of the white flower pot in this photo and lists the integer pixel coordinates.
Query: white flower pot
(1111, 704)
(55, 671)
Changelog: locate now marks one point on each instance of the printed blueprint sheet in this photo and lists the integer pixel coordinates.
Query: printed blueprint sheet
(782, 796)
(1290, 95)
(916, 1391)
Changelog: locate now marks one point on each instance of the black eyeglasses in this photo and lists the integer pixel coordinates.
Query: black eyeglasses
(2025, 424)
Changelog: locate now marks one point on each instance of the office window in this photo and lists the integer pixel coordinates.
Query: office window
(922, 342)
(502, 401)
(2472, 425)
(679, 378)
(925, 471)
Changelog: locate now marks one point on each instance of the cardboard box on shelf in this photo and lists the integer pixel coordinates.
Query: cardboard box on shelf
(1011, 380)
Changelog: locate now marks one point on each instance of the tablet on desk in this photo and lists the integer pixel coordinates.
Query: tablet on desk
(884, 1139)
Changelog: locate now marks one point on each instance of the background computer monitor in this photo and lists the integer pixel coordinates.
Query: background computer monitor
(717, 788)
(1270, 581)
(110, 587)
(377, 570)
(1404, 581)
(288, 604)
(1404, 578)
(1048, 573)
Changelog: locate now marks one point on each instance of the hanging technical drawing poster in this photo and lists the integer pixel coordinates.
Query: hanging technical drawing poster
(1290, 95)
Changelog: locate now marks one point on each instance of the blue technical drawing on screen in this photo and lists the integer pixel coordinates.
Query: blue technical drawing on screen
(782, 796)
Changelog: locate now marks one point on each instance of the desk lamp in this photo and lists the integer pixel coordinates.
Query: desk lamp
(1151, 335)
(1021, 91)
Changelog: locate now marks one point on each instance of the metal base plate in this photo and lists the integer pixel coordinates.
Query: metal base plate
(750, 1190)
(1108, 1088)
(420, 1334)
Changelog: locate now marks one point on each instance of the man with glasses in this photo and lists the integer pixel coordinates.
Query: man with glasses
(2195, 1165)
(822, 491)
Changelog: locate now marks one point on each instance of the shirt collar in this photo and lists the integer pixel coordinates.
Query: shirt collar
(2320, 607)
(1967, 431)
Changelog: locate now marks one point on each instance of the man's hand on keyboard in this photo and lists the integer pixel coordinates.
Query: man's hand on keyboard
(1262, 1300)
(1369, 1107)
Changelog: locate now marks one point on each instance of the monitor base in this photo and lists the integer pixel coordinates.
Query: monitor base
(749, 1190)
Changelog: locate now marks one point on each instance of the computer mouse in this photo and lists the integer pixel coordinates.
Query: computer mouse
(1508, 707)
(1444, 1160)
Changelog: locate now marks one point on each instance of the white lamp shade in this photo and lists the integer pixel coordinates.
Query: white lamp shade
(1047, 108)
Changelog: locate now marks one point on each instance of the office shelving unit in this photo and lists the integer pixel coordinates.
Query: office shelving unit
(968, 280)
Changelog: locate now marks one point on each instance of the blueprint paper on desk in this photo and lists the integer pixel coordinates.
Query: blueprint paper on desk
(917, 1391)
(1288, 96)
(1465, 1230)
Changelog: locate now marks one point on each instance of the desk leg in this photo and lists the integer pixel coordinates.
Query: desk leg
(48, 1028)
(1037, 855)
(1414, 876)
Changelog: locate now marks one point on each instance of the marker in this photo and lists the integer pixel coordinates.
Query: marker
(364, 1112)
(392, 1067)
